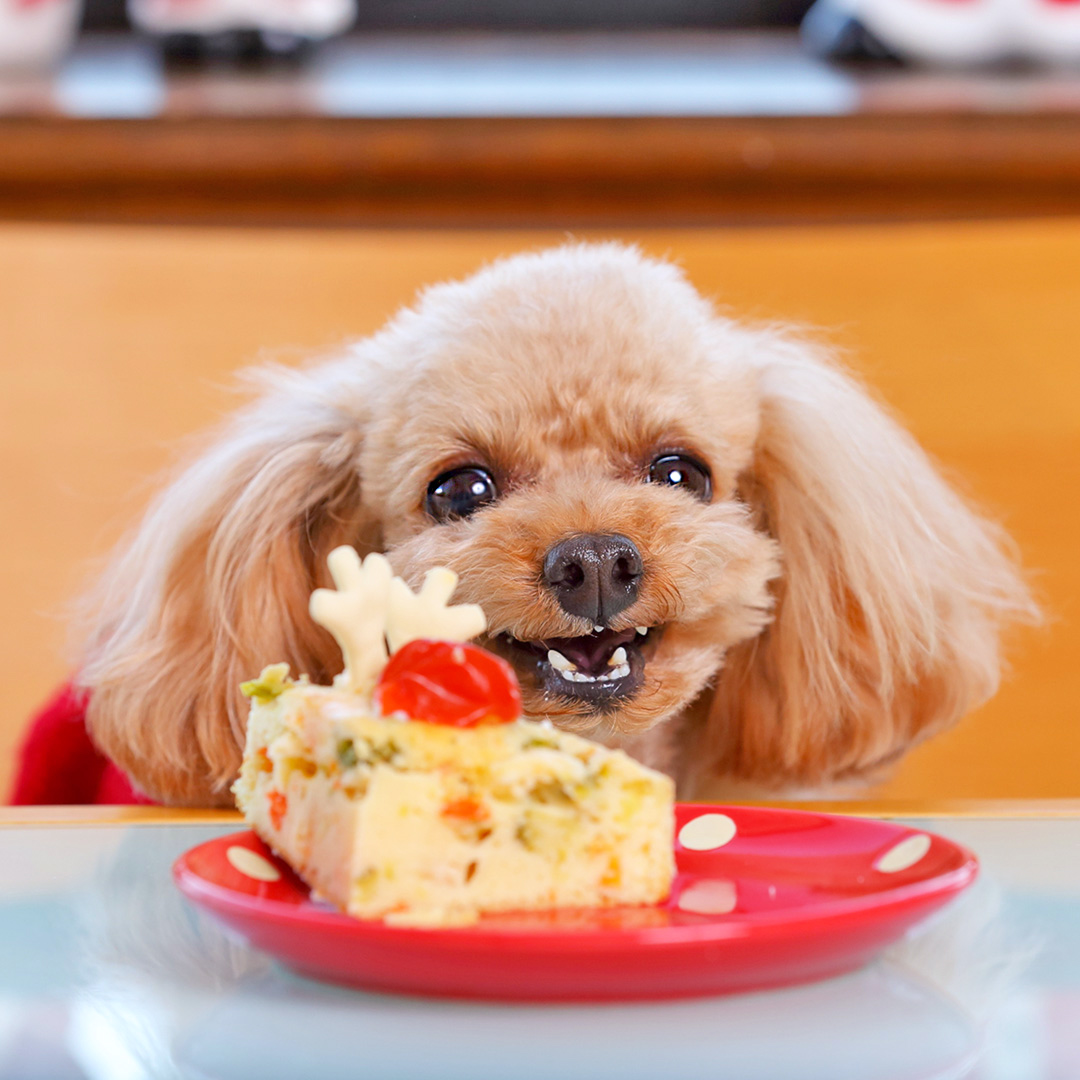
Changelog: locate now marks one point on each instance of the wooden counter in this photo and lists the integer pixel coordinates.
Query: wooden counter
(64, 817)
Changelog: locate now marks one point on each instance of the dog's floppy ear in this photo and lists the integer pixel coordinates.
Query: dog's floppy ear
(892, 595)
(215, 583)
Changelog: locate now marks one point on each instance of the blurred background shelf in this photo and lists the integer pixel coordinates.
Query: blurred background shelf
(574, 129)
(439, 144)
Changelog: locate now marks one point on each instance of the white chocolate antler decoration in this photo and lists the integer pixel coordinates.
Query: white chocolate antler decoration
(427, 613)
(371, 607)
(356, 614)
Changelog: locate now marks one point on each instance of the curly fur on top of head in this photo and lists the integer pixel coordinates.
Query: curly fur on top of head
(833, 603)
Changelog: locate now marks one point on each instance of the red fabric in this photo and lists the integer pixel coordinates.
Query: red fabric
(59, 765)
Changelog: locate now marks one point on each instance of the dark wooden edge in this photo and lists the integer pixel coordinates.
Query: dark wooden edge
(1043, 809)
(66, 816)
(540, 171)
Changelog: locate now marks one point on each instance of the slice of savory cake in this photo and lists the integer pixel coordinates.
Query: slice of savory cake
(416, 792)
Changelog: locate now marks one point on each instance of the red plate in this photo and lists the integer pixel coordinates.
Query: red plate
(763, 897)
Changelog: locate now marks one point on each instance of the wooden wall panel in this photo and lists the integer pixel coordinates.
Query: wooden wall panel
(116, 342)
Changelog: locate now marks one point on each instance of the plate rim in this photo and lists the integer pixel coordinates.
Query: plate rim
(759, 925)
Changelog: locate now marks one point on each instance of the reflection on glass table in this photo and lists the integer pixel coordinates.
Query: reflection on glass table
(106, 971)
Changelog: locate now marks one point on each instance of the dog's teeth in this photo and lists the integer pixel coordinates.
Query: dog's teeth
(582, 676)
(618, 668)
(558, 661)
(597, 628)
(618, 672)
(642, 630)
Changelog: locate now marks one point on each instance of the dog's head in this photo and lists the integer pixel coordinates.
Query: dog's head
(646, 498)
(562, 436)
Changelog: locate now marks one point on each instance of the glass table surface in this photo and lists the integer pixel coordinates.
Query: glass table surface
(106, 971)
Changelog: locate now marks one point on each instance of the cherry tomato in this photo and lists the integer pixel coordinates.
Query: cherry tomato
(446, 682)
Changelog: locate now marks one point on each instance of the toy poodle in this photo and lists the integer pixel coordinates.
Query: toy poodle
(697, 540)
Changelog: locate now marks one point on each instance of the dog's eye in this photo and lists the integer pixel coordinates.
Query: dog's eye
(678, 470)
(460, 492)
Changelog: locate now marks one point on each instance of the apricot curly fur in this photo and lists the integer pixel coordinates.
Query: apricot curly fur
(835, 604)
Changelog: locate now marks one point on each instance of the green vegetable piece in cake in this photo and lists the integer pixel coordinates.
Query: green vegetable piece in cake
(272, 681)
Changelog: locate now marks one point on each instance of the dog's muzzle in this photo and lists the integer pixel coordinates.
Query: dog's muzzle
(594, 577)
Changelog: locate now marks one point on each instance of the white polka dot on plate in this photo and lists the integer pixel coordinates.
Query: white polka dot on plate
(252, 864)
(710, 897)
(904, 855)
(707, 832)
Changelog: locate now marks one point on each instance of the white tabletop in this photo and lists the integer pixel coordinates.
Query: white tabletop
(107, 972)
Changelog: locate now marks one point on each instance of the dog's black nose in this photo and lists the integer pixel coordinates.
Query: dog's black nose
(594, 575)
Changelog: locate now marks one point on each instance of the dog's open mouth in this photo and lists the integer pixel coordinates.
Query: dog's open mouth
(599, 668)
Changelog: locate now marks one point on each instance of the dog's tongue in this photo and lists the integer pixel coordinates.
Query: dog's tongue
(591, 652)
